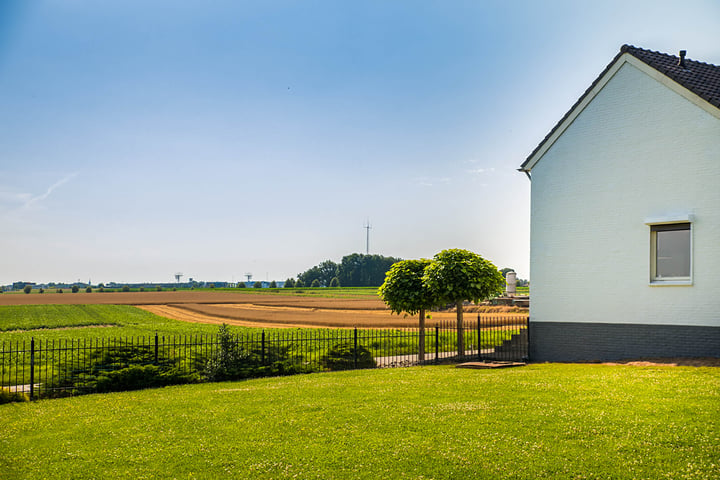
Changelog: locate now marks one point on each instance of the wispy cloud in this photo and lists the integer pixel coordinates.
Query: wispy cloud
(482, 171)
(39, 198)
(430, 182)
(28, 200)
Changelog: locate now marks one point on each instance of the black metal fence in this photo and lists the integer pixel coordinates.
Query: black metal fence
(71, 367)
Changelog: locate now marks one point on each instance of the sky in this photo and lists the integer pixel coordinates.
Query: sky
(217, 138)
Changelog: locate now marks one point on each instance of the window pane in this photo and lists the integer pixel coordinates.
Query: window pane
(673, 252)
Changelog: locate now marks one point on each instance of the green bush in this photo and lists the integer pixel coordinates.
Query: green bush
(125, 288)
(101, 289)
(158, 288)
(75, 289)
(241, 285)
(42, 290)
(299, 283)
(6, 396)
(27, 289)
(289, 283)
(88, 290)
(342, 357)
(315, 283)
(59, 290)
(335, 282)
(273, 284)
(257, 285)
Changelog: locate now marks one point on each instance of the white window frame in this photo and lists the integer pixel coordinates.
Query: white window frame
(669, 220)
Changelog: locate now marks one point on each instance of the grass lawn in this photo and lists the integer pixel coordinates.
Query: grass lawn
(540, 421)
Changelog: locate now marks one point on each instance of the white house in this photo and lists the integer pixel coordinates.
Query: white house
(625, 216)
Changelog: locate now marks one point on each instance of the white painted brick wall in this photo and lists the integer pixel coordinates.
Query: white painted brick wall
(638, 150)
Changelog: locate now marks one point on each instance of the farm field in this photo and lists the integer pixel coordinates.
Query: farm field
(253, 310)
(535, 422)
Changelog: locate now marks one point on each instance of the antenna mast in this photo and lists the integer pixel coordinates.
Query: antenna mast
(367, 227)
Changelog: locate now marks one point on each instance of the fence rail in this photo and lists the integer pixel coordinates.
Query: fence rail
(70, 367)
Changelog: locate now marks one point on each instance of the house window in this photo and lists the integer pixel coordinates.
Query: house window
(671, 253)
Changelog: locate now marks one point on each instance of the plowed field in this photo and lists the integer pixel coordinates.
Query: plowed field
(256, 310)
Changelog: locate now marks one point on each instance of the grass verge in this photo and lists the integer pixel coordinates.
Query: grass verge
(541, 421)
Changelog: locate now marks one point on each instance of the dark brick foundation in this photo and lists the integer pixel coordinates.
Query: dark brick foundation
(587, 342)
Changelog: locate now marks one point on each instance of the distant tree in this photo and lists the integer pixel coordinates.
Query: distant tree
(257, 285)
(101, 289)
(299, 283)
(289, 283)
(212, 285)
(88, 289)
(405, 291)
(42, 290)
(241, 285)
(457, 275)
(125, 288)
(315, 283)
(75, 289)
(158, 288)
(358, 270)
(27, 289)
(505, 270)
(335, 282)
(273, 284)
(59, 290)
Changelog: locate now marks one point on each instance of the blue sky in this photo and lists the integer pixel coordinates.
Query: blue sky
(143, 138)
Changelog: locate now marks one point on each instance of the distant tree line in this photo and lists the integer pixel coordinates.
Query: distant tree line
(354, 270)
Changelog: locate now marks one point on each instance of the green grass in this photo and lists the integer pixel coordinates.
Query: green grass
(540, 421)
(54, 322)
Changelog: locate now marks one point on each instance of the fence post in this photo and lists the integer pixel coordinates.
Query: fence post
(156, 348)
(262, 349)
(478, 338)
(32, 367)
(355, 349)
(437, 343)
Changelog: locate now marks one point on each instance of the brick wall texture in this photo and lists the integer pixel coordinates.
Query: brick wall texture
(588, 342)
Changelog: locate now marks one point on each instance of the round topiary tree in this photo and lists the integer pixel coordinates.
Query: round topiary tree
(273, 284)
(88, 289)
(299, 283)
(27, 289)
(257, 285)
(405, 291)
(75, 289)
(456, 275)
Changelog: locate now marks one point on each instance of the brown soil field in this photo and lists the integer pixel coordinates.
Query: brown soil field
(258, 310)
(288, 315)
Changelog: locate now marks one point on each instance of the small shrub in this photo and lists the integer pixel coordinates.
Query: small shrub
(75, 289)
(241, 285)
(6, 396)
(101, 289)
(273, 284)
(342, 357)
(299, 283)
(88, 290)
(42, 290)
(27, 289)
(159, 288)
(315, 283)
(335, 282)
(59, 290)
(212, 285)
(174, 289)
(257, 285)
(125, 288)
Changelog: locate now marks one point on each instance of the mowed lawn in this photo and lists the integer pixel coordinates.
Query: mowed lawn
(540, 421)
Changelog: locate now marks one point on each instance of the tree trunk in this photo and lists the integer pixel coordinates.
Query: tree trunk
(421, 342)
(460, 329)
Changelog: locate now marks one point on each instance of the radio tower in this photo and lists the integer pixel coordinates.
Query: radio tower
(367, 227)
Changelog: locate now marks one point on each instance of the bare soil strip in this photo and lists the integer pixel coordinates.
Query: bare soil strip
(293, 316)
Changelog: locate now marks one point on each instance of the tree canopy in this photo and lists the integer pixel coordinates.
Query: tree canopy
(355, 270)
(404, 290)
